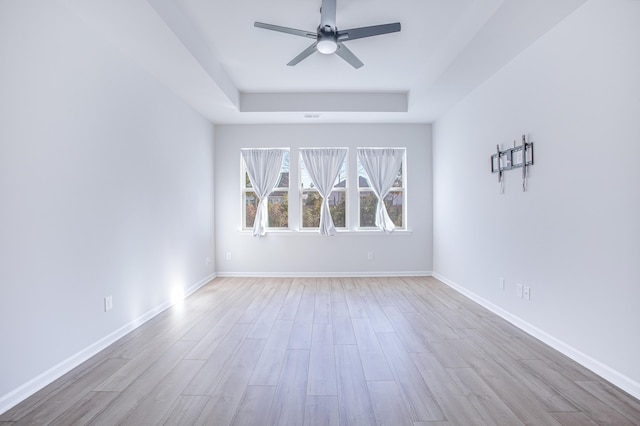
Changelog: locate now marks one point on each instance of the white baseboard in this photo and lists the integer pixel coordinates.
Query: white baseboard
(325, 274)
(627, 384)
(21, 393)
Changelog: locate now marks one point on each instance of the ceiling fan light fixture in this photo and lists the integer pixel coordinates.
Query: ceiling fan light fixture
(327, 47)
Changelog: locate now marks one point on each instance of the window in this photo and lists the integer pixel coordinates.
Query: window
(311, 201)
(395, 200)
(388, 168)
(278, 202)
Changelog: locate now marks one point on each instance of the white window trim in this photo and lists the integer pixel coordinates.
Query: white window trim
(244, 190)
(301, 191)
(339, 232)
(404, 226)
(350, 190)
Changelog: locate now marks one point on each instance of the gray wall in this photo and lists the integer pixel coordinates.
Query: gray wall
(574, 237)
(308, 253)
(106, 188)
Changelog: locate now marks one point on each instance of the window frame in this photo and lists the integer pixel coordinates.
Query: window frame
(244, 190)
(344, 190)
(402, 189)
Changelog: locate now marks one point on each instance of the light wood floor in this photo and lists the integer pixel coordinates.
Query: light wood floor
(316, 351)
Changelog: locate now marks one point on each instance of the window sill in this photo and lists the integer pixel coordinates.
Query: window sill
(339, 233)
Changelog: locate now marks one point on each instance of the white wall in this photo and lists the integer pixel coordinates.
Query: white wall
(574, 237)
(106, 188)
(306, 253)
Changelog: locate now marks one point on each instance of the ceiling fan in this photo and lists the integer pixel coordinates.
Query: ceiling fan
(328, 39)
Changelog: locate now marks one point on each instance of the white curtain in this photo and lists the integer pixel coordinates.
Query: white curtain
(323, 165)
(381, 166)
(263, 168)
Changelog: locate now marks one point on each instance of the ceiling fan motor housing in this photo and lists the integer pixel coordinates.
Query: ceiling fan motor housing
(327, 40)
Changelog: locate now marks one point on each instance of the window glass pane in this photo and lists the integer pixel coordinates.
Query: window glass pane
(312, 203)
(247, 181)
(397, 183)
(305, 179)
(363, 179)
(393, 201)
(250, 207)
(283, 180)
(278, 207)
(368, 203)
(341, 180)
(337, 207)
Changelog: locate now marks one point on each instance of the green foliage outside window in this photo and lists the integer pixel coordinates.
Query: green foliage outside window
(277, 206)
(369, 202)
(312, 204)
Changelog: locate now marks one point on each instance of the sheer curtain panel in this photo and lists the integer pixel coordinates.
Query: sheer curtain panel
(263, 167)
(382, 166)
(323, 165)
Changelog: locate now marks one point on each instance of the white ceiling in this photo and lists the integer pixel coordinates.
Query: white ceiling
(209, 53)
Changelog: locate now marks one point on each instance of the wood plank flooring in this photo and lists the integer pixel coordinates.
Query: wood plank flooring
(328, 351)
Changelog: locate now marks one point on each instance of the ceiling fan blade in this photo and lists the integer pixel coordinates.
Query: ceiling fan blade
(362, 32)
(305, 53)
(348, 56)
(286, 30)
(328, 13)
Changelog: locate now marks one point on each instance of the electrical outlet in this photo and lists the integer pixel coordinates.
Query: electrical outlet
(228, 255)
(519, 290)
(369, 255)
(527, 293)
(108, 303)
(501, 283)
(207, 260)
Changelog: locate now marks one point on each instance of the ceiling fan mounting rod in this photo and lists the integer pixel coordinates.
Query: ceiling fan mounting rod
(328, 13)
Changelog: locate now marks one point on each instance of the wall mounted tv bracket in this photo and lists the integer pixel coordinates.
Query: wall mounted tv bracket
(512, 158)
